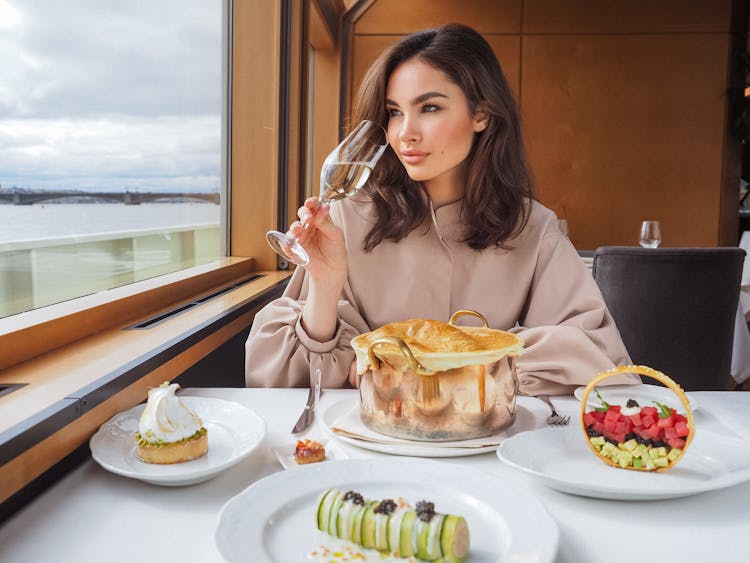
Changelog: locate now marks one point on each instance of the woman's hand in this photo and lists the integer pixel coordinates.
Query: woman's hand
(327, 269)
(324, 243)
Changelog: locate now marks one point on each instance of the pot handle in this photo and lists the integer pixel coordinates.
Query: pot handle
(463, 312)
(414, 365)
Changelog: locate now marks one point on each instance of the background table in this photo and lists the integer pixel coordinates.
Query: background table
(93, 515)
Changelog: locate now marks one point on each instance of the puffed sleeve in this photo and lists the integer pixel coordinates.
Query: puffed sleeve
(279, 353)
(569, 335)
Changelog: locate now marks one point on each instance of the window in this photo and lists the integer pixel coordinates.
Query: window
(110, 144)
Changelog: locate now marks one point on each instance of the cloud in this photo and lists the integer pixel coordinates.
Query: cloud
(127, 152)
(107, 92)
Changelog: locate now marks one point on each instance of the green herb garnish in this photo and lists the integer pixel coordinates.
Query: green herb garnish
(664, 410)
(605, 404)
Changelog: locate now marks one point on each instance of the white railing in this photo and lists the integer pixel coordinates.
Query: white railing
(39, 272)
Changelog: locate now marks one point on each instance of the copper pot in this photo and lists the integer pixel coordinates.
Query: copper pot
(422, 392)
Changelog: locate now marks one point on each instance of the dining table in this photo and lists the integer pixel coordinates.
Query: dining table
(92, 514)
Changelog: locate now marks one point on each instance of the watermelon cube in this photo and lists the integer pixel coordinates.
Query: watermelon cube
(681, 428)
(665, 422)
(648, 420)
(678, 443)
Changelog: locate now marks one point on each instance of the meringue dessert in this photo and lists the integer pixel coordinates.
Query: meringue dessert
(168, 431)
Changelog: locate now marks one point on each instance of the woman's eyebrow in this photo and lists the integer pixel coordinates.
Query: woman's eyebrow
(419, 99)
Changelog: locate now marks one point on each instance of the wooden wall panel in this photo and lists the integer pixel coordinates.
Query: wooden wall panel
(400, 17)
(367, 48)
(626, 16)
(624, 103)
(618, 127)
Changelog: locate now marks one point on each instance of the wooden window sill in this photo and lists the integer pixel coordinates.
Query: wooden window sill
(68, 392)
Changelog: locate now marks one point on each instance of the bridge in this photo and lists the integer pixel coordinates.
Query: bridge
(127, 197)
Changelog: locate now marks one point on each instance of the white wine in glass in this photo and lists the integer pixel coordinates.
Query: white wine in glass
(344, 172)
(650, 234)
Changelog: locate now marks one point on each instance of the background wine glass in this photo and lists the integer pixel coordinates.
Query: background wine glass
(345, 170)
(650, 234)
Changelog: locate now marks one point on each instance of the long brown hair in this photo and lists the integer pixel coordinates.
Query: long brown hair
(495, 206)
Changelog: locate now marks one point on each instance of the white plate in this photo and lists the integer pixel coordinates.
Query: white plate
(273, 519)
(233, 432)
(644, 393)
(524, 421)
(560, 458)
(285, 456)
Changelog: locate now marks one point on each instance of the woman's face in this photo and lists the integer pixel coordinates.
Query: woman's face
(429, 127)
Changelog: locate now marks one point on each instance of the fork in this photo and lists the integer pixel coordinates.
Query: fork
(554, 419)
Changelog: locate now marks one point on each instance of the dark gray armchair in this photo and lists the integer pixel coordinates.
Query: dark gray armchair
(675, 308)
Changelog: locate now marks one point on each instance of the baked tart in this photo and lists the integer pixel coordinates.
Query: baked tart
(637, 436)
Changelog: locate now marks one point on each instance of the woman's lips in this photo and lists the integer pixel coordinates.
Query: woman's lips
(413, 157)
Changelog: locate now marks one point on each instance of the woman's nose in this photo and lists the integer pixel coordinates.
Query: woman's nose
(409, 131)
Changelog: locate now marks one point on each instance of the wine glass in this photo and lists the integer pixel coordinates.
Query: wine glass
(650, 234)
(344, 172)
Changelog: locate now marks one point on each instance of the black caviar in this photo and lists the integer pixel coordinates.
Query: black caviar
(356, 498)
(632, 403)
(386, 506)
(425, 510)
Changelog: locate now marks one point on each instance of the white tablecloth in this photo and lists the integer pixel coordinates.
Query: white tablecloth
(92, 515)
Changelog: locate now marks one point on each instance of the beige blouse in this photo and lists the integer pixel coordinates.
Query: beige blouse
(539, 289)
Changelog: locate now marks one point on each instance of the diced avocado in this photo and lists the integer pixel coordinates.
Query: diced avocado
(630, 445)
(662, 451)
(637, 463)
(661, 462)
(598, 440)
(674, 454)
(368, 526)
(405, 544)
(649, 462)
(624, 459)
(642, 449)
(454, 539)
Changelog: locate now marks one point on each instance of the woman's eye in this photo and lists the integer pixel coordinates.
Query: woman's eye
(428, 108)
(393, 112)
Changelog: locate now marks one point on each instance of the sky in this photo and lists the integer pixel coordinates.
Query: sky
(110, 95)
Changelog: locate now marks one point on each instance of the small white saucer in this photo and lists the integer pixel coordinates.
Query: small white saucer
(286, 455)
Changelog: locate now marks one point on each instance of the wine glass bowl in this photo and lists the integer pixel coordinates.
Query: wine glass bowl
(650, 234)
(345, 170)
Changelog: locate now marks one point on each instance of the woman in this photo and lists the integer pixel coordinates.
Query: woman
(447, 221)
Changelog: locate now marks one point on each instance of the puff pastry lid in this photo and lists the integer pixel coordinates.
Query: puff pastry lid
(437, 345)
